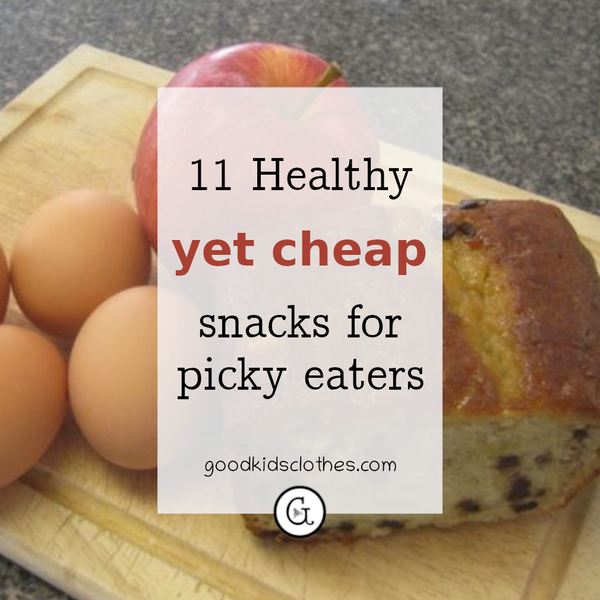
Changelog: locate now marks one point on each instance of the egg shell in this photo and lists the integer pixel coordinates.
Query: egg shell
(4, 285)
(33, 399)
(76, 251)
(112, 379)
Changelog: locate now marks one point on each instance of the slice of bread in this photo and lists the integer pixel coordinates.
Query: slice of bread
(521, 370)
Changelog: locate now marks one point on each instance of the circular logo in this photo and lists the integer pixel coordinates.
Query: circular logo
(299, 511)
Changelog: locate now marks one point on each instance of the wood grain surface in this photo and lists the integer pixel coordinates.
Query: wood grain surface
(92, 529)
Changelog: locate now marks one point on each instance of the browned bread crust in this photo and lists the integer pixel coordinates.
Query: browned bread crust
(550, 290)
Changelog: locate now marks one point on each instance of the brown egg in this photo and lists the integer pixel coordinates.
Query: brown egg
(4, 285)
(76, 251)
(112, 379)
(33, 399)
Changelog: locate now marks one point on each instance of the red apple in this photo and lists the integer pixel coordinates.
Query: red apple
(255, 64)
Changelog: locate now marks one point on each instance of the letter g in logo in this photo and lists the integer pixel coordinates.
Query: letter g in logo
(293, 512)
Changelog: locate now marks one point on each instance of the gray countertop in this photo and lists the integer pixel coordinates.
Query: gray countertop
(521, 78)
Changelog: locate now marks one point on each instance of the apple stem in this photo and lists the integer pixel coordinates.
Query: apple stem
(332, 73)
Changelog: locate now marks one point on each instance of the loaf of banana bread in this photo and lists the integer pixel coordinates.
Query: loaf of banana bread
(521, 370)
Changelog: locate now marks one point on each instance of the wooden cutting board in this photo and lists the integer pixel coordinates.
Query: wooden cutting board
(92, 529)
